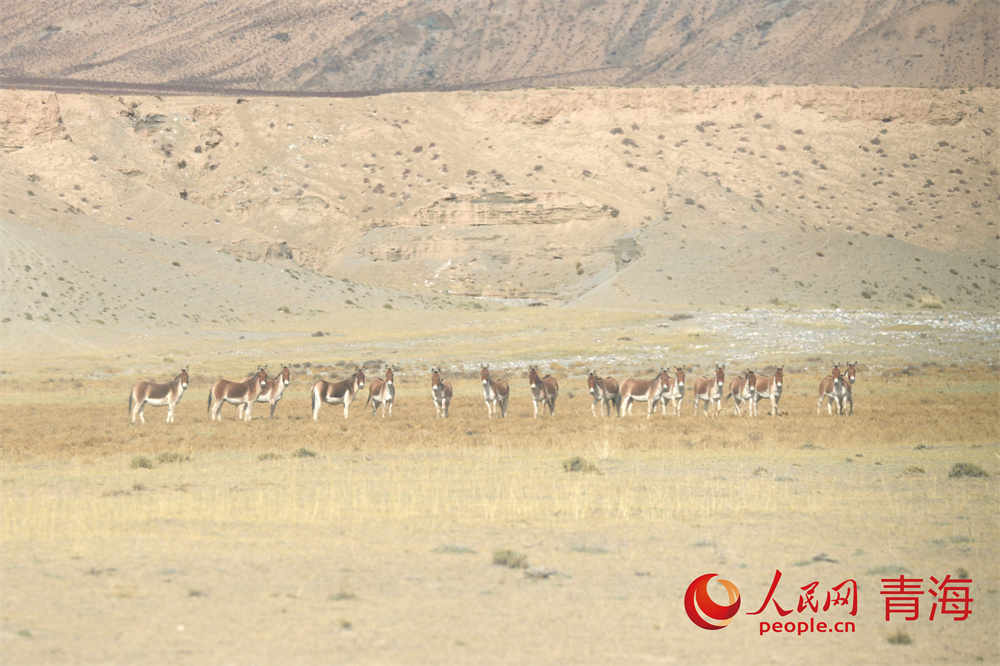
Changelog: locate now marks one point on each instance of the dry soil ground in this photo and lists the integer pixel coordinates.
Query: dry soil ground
(373, 541)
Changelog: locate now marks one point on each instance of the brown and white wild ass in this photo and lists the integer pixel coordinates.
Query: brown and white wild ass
(382, 392)
(336, 393)
(835, 387)
(440, 393)
(606, 392)
(769, 388)
(274, 389)
(673, 390)
(850, 372)
(709, 389)
(495, 392)
(741, 390)
(642, 390)
(157, 395)
(544, 390)
(243, 394)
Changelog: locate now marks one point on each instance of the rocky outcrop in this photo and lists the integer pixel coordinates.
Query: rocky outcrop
(30, 119)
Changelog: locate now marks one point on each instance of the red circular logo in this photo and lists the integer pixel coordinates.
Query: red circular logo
(703, 611)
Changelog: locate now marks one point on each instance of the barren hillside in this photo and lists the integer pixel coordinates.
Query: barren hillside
(670, 198)
(347, 45)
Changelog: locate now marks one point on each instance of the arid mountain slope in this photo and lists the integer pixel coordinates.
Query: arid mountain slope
(347, 45)
(672, 198)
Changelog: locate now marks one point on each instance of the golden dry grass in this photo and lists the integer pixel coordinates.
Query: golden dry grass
(378, 547)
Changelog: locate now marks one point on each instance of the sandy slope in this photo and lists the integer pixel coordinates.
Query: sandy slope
(672, 198)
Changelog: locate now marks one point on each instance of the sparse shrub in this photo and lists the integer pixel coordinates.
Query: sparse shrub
(931, 303)
(578, 464)
(304, 453)
(505, 557)
(959, 470)
(141, 462)
(342, 596)
(271, 456)
(899, 638)
(171, 457)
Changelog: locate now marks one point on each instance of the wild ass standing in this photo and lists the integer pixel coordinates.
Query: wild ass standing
(606, 392)
(836, 388)
(642, 390)
(242, 393)
(157, 395)
(274, 389)
(709, 389)
(544, 390)
(440, 393)
(769, 388)
(336, 393)
(851, 372)
(741, 390)
(382, 392)
(673, 390)
(495, 392)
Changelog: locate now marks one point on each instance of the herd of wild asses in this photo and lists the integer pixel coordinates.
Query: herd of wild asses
(709, 393)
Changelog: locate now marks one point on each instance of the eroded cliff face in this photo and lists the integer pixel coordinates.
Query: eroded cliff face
(551, 194)
(490, 243)
(29, 120)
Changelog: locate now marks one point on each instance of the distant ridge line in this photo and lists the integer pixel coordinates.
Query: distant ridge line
(76, 86)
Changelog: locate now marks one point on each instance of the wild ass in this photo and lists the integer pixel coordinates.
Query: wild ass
(673, 390)
(382, 392)
(642, 390)
(157, 395)
(544, 390)
(336, 393)
(741, 390)
(274, 389)
(440, 393)
(242, 393)
(835, 387)
(709, 389)
(495, 393)
(606, 392)
(768, 388)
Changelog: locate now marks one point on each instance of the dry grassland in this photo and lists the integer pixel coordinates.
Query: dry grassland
(371, 540)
